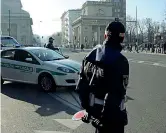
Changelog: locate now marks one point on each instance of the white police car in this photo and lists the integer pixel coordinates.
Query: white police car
(8, 42)
(37, 65)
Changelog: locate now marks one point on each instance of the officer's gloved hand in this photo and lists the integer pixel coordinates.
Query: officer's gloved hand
(86, 118)
(97, 123)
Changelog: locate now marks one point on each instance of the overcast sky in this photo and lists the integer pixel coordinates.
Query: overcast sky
(46, 13)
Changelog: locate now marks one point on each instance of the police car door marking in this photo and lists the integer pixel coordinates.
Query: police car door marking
(19, 67)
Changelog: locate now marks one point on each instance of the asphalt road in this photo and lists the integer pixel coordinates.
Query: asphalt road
(26, 109)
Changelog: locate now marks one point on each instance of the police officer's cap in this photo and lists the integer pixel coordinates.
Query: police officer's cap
(115, 27)
(50, 38)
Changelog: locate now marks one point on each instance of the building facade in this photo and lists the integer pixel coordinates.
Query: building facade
(16, 22)
(89, 28)
(66, 24)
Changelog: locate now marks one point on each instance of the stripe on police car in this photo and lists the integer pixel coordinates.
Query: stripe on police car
(52, 72)
(69, 66)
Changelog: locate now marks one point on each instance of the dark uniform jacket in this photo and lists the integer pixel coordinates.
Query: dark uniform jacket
(50, 46)
(109, 84)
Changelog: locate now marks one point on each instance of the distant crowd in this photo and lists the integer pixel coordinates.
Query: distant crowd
(147, 47)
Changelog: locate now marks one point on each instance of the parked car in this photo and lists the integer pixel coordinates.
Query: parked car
(8, 42)
(38, 65)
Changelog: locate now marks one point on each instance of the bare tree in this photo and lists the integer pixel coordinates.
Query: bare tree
(165, 13)
(36, 39)
(130, 28)
(163, 27)
(57, 36)
(142, 30)
(150, 29)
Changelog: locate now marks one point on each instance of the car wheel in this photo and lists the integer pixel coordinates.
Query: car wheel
(47, 83)
(2, 81)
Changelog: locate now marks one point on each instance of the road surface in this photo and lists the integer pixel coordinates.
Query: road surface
(26, 109)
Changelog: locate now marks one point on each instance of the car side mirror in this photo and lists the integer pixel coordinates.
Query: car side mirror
(29, 59)
(66, 56)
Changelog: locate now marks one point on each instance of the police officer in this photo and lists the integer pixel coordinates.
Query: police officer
(103, 82)
(50, 44)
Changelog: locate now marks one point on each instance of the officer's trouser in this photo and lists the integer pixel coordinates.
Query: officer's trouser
(119, 128)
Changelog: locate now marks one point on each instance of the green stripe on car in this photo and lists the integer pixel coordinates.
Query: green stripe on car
(27, 69)
(69, 66)
(38, 70)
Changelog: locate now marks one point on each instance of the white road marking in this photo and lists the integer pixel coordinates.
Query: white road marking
(162, 65)
(147, 63)
(39, 131)
(141, 61)
(69, 123)
(156, 64)
(130, 59)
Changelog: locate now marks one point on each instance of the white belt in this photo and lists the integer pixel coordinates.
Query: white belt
(94, 100)
(99, 101)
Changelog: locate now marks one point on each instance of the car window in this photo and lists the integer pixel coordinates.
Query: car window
(8, 42)
(24, 56)
(47, 54)
(8, 54)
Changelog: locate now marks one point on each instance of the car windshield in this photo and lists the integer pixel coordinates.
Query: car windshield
(47, 54)
(8, 41)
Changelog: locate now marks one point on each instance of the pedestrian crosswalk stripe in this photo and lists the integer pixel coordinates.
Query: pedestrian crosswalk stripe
(69, 123)
(130, 59)
(156, 64)
(39, 131)
(141, 61)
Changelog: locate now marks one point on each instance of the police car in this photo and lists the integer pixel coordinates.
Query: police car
(8, 42)
(37, 65)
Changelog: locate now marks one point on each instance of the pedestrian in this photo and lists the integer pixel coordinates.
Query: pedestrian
(103, 82)
(165, 48)
(153, 48)
(82, 47)
(131, 47)
(50, 44)
(146, 47)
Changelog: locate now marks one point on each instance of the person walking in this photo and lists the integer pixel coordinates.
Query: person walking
(165, 48)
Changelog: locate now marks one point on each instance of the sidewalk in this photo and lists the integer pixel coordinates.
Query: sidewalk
(144, 53)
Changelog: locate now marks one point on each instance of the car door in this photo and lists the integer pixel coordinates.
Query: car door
(8, 64)
(26, 66)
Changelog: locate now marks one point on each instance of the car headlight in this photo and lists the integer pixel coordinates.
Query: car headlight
(66, 70)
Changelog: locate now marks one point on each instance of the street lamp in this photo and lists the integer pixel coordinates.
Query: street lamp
(93, 41)
(9, 23)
